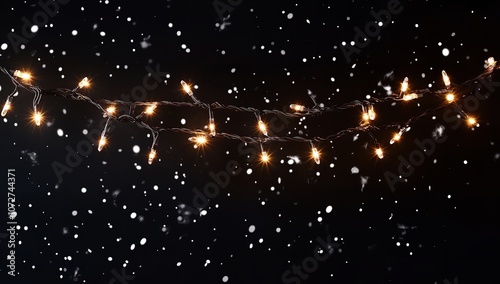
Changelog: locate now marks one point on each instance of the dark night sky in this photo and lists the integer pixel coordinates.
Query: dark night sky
(114, 214)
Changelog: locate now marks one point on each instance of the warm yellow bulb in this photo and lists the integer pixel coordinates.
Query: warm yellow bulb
(446, 79)
(297, 107)
(102, 142)
(264, 157)
(404, 85)
(450, 97)
(152, 156)
(315, 155)
(37, 117)
(85, 83)
(471, 121)
(187, 88)
(371, 112)
(380, 153)
(211, 127)
(150, 110)
(366, 117)
(491, 62)
(396, 138)
(6, 108)
(111, 110)
(25, 76)
(199, 140)
(410, 97)
(262, 127)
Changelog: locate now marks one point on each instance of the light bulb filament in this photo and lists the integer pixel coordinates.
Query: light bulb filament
(380, 153)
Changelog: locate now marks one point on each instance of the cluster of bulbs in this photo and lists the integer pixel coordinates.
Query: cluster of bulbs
(368, 113)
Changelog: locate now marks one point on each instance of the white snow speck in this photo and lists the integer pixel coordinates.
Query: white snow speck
(249, 171)
(34, 29)
(84, 190)
(143, 241)
(251, 229)
(354, 170)
(329, 209)
(183, 121)
(225, 279)
(133, 215)
(179, 263)
(289, 16)
(110, 258)
(74, 32)
(74, 213)
(136, 149)
(446, 52)
(132, 247)
(60, 132)
(4, 46)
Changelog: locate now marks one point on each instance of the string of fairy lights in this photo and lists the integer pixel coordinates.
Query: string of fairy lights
(134, 112)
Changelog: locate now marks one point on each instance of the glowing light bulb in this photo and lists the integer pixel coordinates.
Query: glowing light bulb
(211, 127)
(152, 156)
(365, 117)
(491, 62)
(380, 153)
(37, 117)
(371, 112)
(315, 155)
(187, 88)
(471, 121)
(450, 97)
(404, 85)
(111, 110)
(397, 137)
(446, 79)
(199, 140)
(297, 107)
(25, 76)
(85, 83)
(410, 97)
(150, 109)
(264, 157)
(102, 142)
(6, 108)
(262, 127)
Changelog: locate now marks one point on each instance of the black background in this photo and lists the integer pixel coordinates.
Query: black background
(444, 216)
